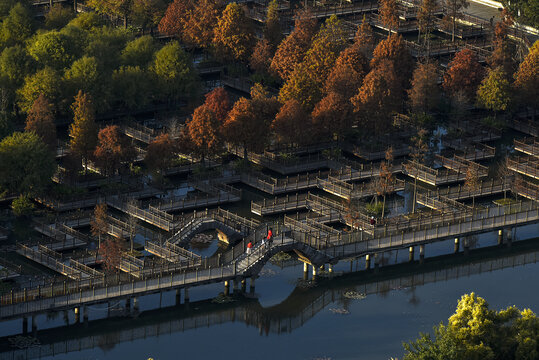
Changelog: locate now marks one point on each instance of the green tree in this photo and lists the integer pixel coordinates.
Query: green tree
(302, 87)
(525, 11)
(5, 7)
(84, 75)
(15, 65)
(58, 16)
(272, 27)
(51, 49)
(494, 93)
(47, 82)
(17, 26)
(174, 71)
(26, 164)
(131, 87)
(233, 37)
(87, 21)
(476, 332)
(22, 206)
(118, 8)
(106, 45)
(139, 52)
(83, 130)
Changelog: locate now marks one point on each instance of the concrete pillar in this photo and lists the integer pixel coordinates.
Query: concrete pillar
(367, 262)
(243, 285)
(411, 254)
(500, 237)
(330, 269)
(135, 304)
(178, 297)
(314, 272)
(457, 245)
(305, 271)
(128, 305)
(24, 325)
(509, 237)
(227, 288)
(252, 287)
(77, 315)
(186, 297)
(85, 315)
(376, 262)
(34, 324)
(466, 246)
(421, 253)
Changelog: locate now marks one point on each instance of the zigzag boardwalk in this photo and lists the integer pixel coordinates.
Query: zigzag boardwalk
(236, 263)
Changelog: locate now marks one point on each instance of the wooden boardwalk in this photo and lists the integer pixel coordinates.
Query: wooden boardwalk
(432, 176)
(528, 166)
(236, 263)
(528, 146)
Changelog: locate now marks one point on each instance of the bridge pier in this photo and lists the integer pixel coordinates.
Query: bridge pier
(243, 285)
(252, 287)
(34, 324)
(85, 315)
(376, 262)
(315, 271)
(330, 269)
(127, 305)
(411, 254)
(235, 285)
(227, 288)
(466, 246)
(178, 297)
(500, 237)
(421, 253)
(457, 245)
(305, 271)
(509, 238)
(186, 295)
(367, 262)
(25, 325)
(135, 304)
(77, 315)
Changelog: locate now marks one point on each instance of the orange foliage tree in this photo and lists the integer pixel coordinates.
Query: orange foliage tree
(40, 119)
(364, 38)
(394, 49)
(292, 49)
(218, 101)
(527, 78)
(291, 124)
(233, 36)
(160, 153)
(302, 87)
(502, 55)
(378, 97)
(201, 23)
(464, 74)
(174, 22)
(203, 130)
(424, 94)
(83, 130)
(260, 60)
(347, 75)
(331, 117)
(388, 14)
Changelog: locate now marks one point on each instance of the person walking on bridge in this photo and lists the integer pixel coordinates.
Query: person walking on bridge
(269, 238)
(249, 247)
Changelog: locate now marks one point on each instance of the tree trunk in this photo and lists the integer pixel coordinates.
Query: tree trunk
(453, 28)
(384, 206)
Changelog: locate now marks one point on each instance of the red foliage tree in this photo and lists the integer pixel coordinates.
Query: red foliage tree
(394, 49)
(111, 252)
(291, 124)
(203, 130)
(174, 22)
(160, 153)
(218, 101)
(40, 120)
(331, 117)
(293, 48)
(201, 22)
(464, 74)
(111, 150)
(348, 73)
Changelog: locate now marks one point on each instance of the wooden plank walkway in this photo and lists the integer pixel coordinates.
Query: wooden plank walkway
(528, 166)
(431, 176)
(528, 146)
(236, 263)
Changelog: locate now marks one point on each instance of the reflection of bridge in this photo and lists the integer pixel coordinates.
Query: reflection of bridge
(298, 308)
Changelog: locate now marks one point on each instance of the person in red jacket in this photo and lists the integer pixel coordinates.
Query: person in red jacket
(269, 238)
(249, 247)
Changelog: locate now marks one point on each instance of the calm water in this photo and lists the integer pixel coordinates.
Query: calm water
(269, 326)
